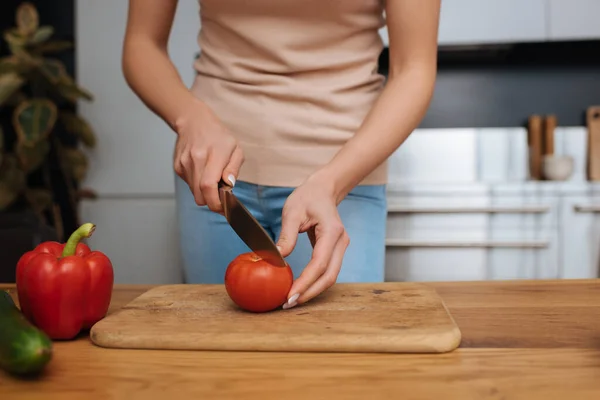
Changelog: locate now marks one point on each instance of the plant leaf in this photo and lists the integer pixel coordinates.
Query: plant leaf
(76, 162)
(27, 18)
(10, 64)
(39, 199)
(33, 120)
(12, 182)
(53, 70)
(9, 84)
(1, 145)
(21, 63)
(15, 99)
(54, 46)
(70, 91)
(14, 37)
(78, 127)
(16, 42)
(86, 193)
(41, 35)
(32, 157)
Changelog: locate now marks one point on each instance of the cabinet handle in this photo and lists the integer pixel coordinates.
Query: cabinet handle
(468, 244)
(400, 209)
(586, 208)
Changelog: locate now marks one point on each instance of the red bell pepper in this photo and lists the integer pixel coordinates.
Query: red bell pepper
(64, 288)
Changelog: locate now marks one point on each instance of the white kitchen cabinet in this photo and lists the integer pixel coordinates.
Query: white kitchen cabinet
(448, 238)
(139, 235)
(580, 237)
(573, 19)
(466, 22)
(492, 21)
(473, 261)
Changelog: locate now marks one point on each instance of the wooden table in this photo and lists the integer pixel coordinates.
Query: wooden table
(521, 340)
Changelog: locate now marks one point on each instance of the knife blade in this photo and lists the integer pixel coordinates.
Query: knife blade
(247, 227)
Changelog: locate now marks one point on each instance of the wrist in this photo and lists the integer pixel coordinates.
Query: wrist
(331, 182)
(187, 109)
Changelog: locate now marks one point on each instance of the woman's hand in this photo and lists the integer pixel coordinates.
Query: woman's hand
(312, 208)
(205, 152)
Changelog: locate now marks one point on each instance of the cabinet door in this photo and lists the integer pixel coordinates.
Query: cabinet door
(574, 19)
(492, 21)
(471, 238)
(580, 237)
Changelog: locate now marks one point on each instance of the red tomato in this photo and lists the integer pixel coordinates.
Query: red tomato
(255, 285)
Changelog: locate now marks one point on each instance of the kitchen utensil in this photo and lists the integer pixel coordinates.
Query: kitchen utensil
(593, 126)
(550, 123)
(248, 228)
(557, 168)
(534, 139)
(390, 317)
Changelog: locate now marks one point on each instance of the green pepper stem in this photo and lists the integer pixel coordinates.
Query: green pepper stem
(84, 231)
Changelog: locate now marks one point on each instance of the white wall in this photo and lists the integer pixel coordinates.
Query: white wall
(133, 142)
(131, 169)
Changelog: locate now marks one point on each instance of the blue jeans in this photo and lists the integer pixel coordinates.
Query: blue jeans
(208, 244)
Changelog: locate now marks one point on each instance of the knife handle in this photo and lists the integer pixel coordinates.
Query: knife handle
(221, 187)
(222, 184)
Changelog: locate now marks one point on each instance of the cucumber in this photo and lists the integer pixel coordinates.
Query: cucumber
(24, 349)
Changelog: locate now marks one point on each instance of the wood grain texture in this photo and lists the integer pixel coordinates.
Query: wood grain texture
(84, 372)
(535, 142)
(550, 123)
(563, 315)
(525, 314)
(593, 126)
(387, 318)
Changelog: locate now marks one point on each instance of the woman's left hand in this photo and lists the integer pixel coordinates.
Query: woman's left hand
(312, 208)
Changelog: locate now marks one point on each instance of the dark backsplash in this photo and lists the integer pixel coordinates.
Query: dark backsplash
(500, 86)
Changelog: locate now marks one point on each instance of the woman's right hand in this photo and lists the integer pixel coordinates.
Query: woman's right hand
(205, 152)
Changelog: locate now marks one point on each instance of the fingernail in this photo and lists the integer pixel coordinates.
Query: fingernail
(291, 302)
(294, 298)
(231, 179)
(287, 305)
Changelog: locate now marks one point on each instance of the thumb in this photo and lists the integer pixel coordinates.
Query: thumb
(232, 170)
(290, 225)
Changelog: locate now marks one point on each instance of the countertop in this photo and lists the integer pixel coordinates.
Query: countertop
(520, 340)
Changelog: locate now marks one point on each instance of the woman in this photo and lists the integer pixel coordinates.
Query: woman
(288, 107)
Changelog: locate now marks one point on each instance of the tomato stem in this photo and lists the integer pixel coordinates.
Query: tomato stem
(84, 231)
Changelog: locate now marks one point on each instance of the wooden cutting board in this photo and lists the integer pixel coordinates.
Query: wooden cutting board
(389, 317)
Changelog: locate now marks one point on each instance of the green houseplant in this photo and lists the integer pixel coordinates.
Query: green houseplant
(40, 131)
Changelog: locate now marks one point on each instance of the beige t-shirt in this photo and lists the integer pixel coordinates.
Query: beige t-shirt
(292, 79)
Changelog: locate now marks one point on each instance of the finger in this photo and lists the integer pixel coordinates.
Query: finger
(195, 186)
(290, 225)
(178, 165)
(329, 278)
(232, 169)
(210, 179)
(191, 175)
(321, 257)
(179, 170)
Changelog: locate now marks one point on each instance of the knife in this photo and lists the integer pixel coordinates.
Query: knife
(247, 227)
